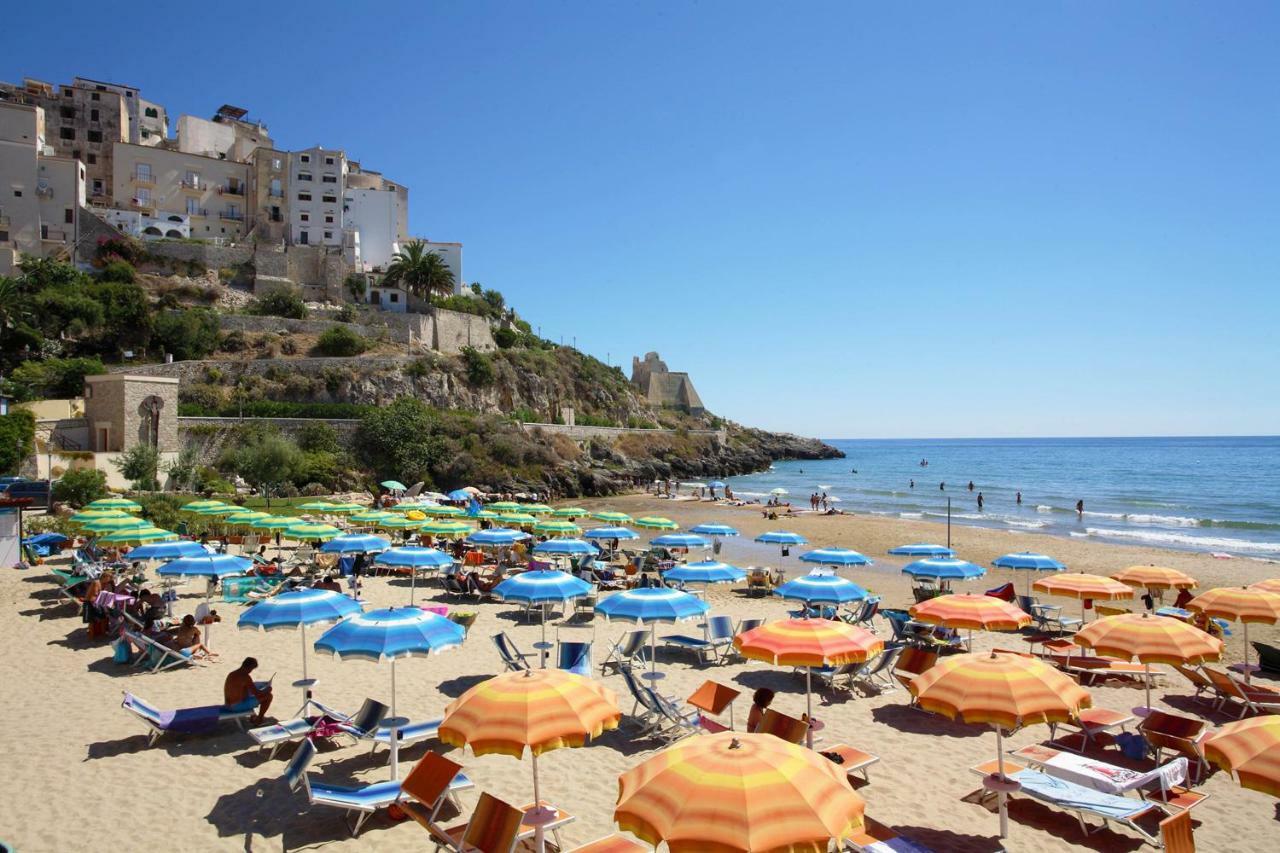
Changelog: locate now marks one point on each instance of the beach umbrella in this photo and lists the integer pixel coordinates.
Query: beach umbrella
(922, 549)
(298, 609)
(820, 589)
(355, 543)
(217, 510)
(610, 533)
(446, 528)
(656, 522)
(557, 528)
(517, 519)
(211, 567)
(316, 506)
(680, 540)
(781, 537)
(1239, 604)
(443, 511)
(651, 605)
(459, 495)
(394, 486)
(1083, 587)
(569, 512)
(1269, 585)
(609, 517)
(1149, 639)
(1251, 750)
(273, 522)
(1004, 691)
(122, 504)
(167, 550)
(539, 710)
(309, 532)
(245, 519)
(714, 530)
(504, 506)
(496, 537)
(542, 587)
(973, 612)
(1028, 561)
(391, 634)
(84, 516)
(371, 516)
(197, 506)
(1155, 577)
(414, 558)
(536, 509)
(402, 524)
(835, 557)
(338, 508)
(735, 791)
(705, 572)
(808, 643)
(114, 523)
(716, 484)
(944, 569)
(565, 548)
(137, 536)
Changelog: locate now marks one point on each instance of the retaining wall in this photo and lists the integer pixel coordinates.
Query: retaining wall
(582, 433)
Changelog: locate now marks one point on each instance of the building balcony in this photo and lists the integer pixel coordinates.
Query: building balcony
(275, 193)
(197, 211)
(195, 186)
(231, 189)
(52, 235)
(231, 215)
(144, 178)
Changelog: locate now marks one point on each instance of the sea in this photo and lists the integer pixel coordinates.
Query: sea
(1205, 494)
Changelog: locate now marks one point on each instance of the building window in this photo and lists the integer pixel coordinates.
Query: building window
(328, 179)
(4, 236)
(328, 220)
(68, 112)
(276, 190)
(95, 136)
(191, 181)
(152, 112)
(328, 161)
(304, 176)
(395, 297)
(93, 115)
(67, 93)
(275, 163)
(193, 207)
(305, 158)
(17, 193)
(304, 196)
(328, 235)
(93, 159)
(329, 199)
(97, 187)
(94, 96)
(69, 216)
(67, 133)
(144, 197)
(142, 172)
(44, 231)
(306, 217)
(146, 134)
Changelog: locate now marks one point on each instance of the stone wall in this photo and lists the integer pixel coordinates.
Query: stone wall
(454, 330)
(582, 433)
(211, 256)
(252, 323)
(91, 230)
(116, 402)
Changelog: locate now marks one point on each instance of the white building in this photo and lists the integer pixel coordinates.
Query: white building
(228, 136)
(317, 179)
(398, 300)
(40, 194)
(372, 217)
(148, 226)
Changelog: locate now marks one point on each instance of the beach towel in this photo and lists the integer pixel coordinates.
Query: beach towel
(190, 720)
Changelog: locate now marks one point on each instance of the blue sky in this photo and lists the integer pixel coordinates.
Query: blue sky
(926, 219)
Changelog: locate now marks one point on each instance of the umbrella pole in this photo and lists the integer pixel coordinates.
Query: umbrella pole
(808, 706)
(1246, 652)
(395, 732)
(413, 583)
(1146, 682)
(1003, 796)
(653, 653)
(544, 648)
(540, 839)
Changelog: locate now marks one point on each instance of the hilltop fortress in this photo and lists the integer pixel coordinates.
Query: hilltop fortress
(661, 387)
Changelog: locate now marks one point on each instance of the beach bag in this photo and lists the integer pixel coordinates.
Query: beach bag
(120, 651)
(1132, 745)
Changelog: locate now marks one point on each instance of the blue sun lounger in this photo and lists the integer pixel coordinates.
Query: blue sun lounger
(411, 733)
(182, 720)
(1083, 802)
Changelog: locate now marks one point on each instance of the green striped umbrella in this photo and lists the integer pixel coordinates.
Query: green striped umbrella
(138, 536)
(536, 509)
(115, 503)
(273, 522)
(517, 518)
(398, 523)
(304, 532)
(612, 517)
(197, 506)
(569, 512)
(371, 516)
(443, 527)
(505, 506)
(484, 513)
(340, 508)
(219, 510)
(111, 525)
(443, 511)
(316, 506)
(245, 519)
(86, 515)
(557, 528)
(657, 523)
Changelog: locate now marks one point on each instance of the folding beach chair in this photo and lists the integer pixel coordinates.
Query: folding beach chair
(1177, 835)
(875, 837)
(363, 724)
(494, 827)
(408, 734)
(1198, 680)
(1178, 734)
(157, 657)
(357, 803)
(1268, 657)
(1252, 699)
(877, 671)
(511, 656)
(729, 650)
(629, 648)
(672, 721)
(718, 634)
(433, 781)
(574, 656)
(181, 721)
(911, 662)
(783, 726)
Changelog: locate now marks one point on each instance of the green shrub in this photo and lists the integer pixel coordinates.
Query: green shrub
(464, 305)
(339, 341)
(121, 271)
(187, 335)
(53, 378)
(479, 367)
(280, 302)
(319, 438)
(17, 439)
(346, 314)
(505, 338)
(275, 409)
(140, 465)
(162, 510)
(79, 486)
(234, 342)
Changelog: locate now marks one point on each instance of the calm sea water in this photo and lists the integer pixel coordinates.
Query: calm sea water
(1202, 494)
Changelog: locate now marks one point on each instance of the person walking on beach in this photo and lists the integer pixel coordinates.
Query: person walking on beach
(913, 484)
(979, 501)
(1080, 509)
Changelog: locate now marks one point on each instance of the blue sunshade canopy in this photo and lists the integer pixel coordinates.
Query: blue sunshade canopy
(922, 549)
(397, 632)
(542, 586)
(781, 537)
(206, 566)
(299, 607)
(168, 550)
(651, 604)
(1027, 561)
(944, 569)
(824, 589)
(355, 543)
(611, 533)
(566, 548)
(411, 557)
(713, 529)
(835, 557)
(496, 536)
(708, 571)
(679, 540)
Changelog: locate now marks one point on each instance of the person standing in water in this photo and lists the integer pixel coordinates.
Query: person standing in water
(1080, 508)
(942, 487)
(913, 484)
(1019, 498)
(979, 501)
(971, 485)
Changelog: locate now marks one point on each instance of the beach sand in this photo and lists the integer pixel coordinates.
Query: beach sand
(78, 772)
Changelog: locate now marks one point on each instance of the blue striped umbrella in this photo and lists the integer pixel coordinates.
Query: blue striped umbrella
(680, 540)
(781, 537)
(714, 529)
(944, 569)
(922, 549)
(391, 634)
(822, 589)
(168, 550)
(496, 537)
(706, 572)
(611, 533)
(414, 558)
(541, 588)
(355, 543)
(211, 566)
(652, 605)
(1028, 561)
(566, 548)
(835, 557)
(298, 609)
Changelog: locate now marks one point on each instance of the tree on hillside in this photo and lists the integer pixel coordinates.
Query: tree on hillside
(401, 441)
(419, 271)
(266, 460)
(139, 465)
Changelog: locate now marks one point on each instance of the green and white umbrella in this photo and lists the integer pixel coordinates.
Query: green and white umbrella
(123, 504)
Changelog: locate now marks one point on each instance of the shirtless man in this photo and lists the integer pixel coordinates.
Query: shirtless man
(186, 639)
(240, 693)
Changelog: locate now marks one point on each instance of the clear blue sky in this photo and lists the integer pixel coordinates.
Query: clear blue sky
(926, 219)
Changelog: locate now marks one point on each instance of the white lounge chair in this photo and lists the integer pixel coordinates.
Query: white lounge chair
(182, 720)
(157, 657)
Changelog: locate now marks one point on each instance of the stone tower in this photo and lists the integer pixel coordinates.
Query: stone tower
(661, 387)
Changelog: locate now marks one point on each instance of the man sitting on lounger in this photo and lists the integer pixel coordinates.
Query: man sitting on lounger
(187, 640)
(240, 693)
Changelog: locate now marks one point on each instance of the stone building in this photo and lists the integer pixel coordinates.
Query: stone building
(158, 182)
(662, 387)
(41, 194)
(121, 410)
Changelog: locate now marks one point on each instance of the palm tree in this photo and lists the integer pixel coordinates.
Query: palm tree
(419, 271)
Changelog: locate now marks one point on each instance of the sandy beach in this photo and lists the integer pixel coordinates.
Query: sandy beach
(79, 772)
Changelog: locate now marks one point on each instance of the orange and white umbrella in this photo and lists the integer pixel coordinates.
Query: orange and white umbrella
(1005, 691)
(732, 792)
(1149, 639)
(1155, 577)
(1269, 585)
(808, 643)
(971, 611)
(1083, 587)
(1251, 750)
(539, 709)
(1239, 604)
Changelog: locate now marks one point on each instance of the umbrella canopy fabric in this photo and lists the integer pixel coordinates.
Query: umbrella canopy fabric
(245, 519)
(355, 543)
(197, 506)
(1251, 750)
(138, 536)
(394, 486)
(655, 522)
(1081, 586)
(737, 792)
(835, 557)
(1149, 639)
(207, 566)
(122, 504)
(459, 495)
(680, 540)
(401, 523)
(781, 537)
(1155, 577)
(1004, 690)
(566, 548)
(338, 508)
(706, 572)
(538, 710)
(536, 509)
(443, 511)
(504, 506)
(412, 557)
(371, 516)
(808, 643)
(316, 506)
(303, 531)
(944, 569)
(610, 517)
(1240, 604)
(716, 484)
(610, 533)
(84, 516)
(569, 512)
(821, 589)
(709, 529)
(299, 607)
(1269, 585)
(113, 523)
(538, 587)
(167, 550)
(497, 537)
(650, 605)
(922, 549)
(974, 612)
(447, 528)
(557, 528)
(391, 633)
(219, 510)
(1028, 561)
(274, 522)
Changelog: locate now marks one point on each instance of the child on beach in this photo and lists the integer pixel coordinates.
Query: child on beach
(760, 702)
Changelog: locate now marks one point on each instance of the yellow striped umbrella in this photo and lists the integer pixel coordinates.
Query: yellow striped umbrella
(536, 509)
(1083, 587)
(1149, 639)
(1006, 691)
(808, 643)
(304, 532)
(1239, 604)
(541, 709)
(1269, 585)
(504, 506)
(1155, 577)
(115, 503)
(444, 527)
(517, 519)
(738, 792)
(84, 516)
(653, 522)
(557, 528)
(1251, 750)
(974, 612)
(569, 512)
(611, 517)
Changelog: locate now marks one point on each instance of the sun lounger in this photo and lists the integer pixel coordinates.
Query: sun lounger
(433, 781)
(911, 662)
(628, 648)
(157, 657)
(877, 673)
(1252, 699)
(363, 724)
(862, 617)
(719, 633)
(1164, 784)
(1181, 735)
(181, 721)
(277, 735)
(511, 656)
(644, 710)
(574, 656)
(781, 725)
(1088, 669)
(1268, 657)
(494, 827)
(615, 843)
(409, 734)
(357, 802)
(1177, 835)
(1092, 726)
(852, 760)
(672, 721)
(1198, 680)
(875, 837)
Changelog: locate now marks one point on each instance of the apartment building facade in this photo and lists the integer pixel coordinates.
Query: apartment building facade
(158, 182)
(148, 121)
(317, 178)
(41, 193)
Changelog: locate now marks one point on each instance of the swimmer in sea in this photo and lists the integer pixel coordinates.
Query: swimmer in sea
(1019, 498)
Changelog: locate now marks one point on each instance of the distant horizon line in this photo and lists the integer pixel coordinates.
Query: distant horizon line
(1052, 437)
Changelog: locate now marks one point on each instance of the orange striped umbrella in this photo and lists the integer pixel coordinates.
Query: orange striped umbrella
(1007, 691)
(1083, 586)
(808, 643)
(1239, 604)
(1251, 750)
(1149, 639)
(1269, 585)
(733, 792)
(1155, 577)
(972, 611)
(542, 709)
